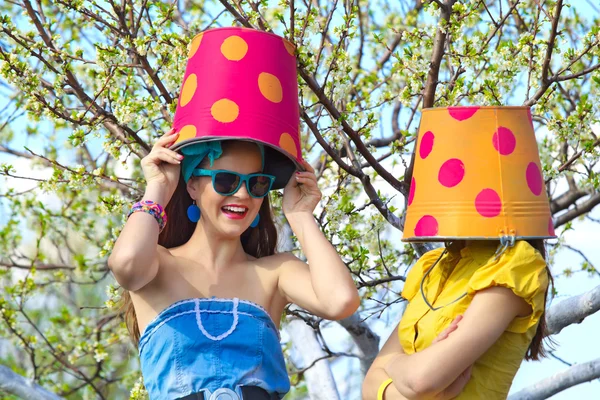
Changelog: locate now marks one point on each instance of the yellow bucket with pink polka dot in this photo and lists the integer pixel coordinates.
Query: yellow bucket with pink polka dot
(241, 84)
(477, 175)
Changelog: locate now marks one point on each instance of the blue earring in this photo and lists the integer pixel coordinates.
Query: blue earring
(254, 223)
(193, 212)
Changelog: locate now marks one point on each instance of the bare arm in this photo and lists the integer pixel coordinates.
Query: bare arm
(134, 260)
(427, 373)
(324, 286)
(377, 374)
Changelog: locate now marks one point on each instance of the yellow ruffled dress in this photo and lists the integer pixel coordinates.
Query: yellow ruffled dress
(520, 268)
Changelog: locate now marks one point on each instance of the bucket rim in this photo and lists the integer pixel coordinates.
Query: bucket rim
(237, 28)
(421, 239)
(429, 109)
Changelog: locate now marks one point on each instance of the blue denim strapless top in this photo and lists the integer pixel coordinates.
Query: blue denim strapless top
(206, 344)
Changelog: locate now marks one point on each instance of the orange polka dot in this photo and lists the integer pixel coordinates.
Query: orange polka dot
(291, 49)
(188, 90)
(286, 142)
(187, 132)
(225, 110)
(234, 48)
(270, 87)
(194, 45)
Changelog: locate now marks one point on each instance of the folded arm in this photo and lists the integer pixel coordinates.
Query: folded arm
(427, 373)
(377, 374)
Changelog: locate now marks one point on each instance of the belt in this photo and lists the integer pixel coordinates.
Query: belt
(248, 393)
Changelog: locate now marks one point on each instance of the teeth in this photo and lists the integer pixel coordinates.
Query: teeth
(235, 209)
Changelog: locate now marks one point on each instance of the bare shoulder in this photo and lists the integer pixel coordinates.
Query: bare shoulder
(279, 260)
(166, 256)
(163, 250)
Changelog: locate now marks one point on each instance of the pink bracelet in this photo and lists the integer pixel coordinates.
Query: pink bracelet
(152, 208)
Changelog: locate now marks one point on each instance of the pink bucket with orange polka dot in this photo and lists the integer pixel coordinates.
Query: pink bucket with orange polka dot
(241, 84)
(477, 175)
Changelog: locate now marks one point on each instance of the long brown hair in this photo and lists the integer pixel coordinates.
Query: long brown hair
(537, 349)
(257, 242)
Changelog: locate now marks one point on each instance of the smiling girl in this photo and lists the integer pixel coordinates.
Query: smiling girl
(208, 291)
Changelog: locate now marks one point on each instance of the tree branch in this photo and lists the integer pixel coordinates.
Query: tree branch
(15, 384)
(572, 310)
(319, 377)
(566, 200)
(365, 339)
(578, 155)
(548, 58)
(547, 387)
(578, 210)
(110, 122)
(437, 54)
(360, 146)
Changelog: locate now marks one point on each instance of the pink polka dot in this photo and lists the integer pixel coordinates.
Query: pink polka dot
(488, 203)
(413, 187)
(551, 231)
(452, 172)
(426, 144)
(534, 179)
(504, 141)
(462, 113)
(427, 226)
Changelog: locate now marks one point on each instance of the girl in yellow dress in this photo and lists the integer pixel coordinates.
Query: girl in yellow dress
(476, 306)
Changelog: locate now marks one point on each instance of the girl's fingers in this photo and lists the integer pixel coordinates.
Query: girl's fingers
(446, 332)
(172, 153)
(455, 321)
(163, 156)
(306, 181)
(168, 133)
(308, 167)
(167, 138)
(466, 374)
(156, 152)
(169, 159)
(453, 326)
(441, 337)
(308, 175)
(469, 371)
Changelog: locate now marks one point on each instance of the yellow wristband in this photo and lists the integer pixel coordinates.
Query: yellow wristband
(382, 388)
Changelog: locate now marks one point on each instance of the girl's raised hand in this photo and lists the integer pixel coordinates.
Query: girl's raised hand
(161, 166)
(301, 193)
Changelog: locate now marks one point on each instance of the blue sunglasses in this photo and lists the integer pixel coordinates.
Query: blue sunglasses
(227, 183)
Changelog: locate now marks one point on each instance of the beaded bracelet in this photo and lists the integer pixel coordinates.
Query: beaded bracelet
(152, 208)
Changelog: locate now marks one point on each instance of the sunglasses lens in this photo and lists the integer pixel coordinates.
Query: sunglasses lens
(259, 185)
(226, 182)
